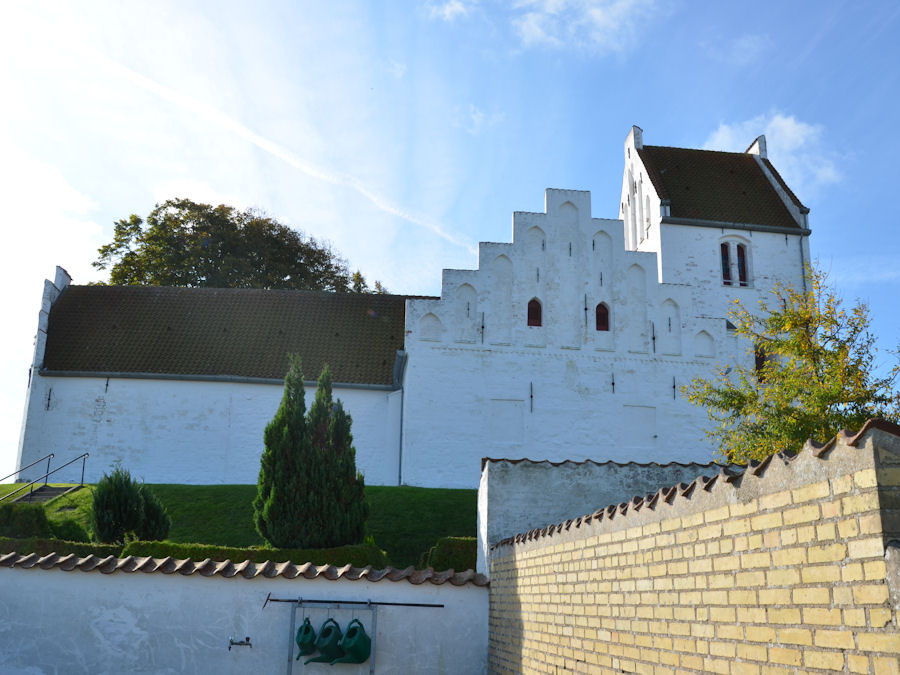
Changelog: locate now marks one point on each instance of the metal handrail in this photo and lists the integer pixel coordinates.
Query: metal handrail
(47, 457)
(83, 459)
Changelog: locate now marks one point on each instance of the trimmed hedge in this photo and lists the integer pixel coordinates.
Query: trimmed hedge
(23, 519)
(69, 530)
(42, 546)
(457, 553)
(358, 555)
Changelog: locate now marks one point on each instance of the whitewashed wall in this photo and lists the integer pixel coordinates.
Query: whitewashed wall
(53, 621)
(511, 390)
(180, 431)
(516, 497)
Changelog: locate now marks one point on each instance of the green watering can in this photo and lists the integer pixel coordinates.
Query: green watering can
(306, 639)
(328, 643)
(355, 643)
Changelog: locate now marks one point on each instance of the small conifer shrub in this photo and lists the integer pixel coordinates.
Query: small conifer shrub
(123, 507)
(309, 493)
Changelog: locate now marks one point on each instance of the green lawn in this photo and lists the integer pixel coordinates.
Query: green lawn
(210, 514)
(404, 521)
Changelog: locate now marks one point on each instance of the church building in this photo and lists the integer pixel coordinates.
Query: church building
(572, 341)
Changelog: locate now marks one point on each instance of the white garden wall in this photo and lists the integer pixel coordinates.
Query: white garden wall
(53, 621)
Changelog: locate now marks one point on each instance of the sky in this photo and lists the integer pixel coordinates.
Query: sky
(404, 133)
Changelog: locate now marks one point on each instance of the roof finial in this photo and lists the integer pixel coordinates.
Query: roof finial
(636, 136)
(758, 147)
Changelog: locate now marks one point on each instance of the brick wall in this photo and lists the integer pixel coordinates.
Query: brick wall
(785, 568)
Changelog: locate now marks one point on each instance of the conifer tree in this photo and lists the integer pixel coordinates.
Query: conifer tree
(309, 494)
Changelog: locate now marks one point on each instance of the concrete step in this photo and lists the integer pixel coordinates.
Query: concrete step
(45, 493)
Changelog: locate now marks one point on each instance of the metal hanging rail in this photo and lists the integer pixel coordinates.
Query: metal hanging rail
(307, 601)
(47, 457)
(83, 459)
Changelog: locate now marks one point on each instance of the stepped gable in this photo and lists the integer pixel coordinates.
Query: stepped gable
(727, 187)
(208, 333)
(728, 478)
(245, 569)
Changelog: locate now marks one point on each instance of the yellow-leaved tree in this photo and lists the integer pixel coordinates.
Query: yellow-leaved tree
(814, 374)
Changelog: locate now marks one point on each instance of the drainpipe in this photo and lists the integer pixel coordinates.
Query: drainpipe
(400, 361)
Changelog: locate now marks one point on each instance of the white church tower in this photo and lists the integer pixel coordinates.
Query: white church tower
(570, 342)
(574, 340)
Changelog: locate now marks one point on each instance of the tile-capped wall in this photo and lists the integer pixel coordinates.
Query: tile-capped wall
(791, 566)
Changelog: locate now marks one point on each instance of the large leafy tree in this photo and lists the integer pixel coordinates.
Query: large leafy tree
(309, 493)
(814, 373)
(183, 243)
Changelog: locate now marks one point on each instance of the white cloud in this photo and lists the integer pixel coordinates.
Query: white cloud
(450, 10)
(863, 271)
(46, 224)
(197, 191)
(398, 70)
(211, 115)
(748, 48)
(741, 51)
(605, 26)
(796, 148)
(474, 120)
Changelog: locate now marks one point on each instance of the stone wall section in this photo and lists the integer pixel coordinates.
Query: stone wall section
(518, 495)
(788, 567)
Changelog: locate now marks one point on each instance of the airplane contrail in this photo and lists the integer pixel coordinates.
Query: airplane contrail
(219, 118)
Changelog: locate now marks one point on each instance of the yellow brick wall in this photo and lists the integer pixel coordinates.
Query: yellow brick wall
(779, 572)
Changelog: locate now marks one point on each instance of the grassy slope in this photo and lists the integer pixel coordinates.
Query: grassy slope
(210, 514)
(73, 506)
(404, 521)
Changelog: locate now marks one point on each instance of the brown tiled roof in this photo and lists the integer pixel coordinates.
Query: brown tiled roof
(246, 569)
(727, 187)
(726, 475)
(225, 332)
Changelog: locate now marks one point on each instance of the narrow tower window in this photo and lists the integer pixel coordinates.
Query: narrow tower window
(726, 264)
(742, 264)
(602, 317)
(534, 312)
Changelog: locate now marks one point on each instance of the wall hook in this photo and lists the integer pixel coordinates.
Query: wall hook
(239, 643)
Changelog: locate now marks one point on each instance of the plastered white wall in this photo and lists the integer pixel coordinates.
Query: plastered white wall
(515, 497)
(180, 431)
(481, 382)
(53, 621)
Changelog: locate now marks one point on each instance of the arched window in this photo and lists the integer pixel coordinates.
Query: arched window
(602, 317)
(736, 262)
(726, 263)
(534, 312)
(742, 264)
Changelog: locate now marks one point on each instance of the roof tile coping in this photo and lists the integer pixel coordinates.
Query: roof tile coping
(723, 488)
(497, 460)
(246, 569)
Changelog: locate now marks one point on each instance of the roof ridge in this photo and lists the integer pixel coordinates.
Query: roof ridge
(675, 147)
(226, 289)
